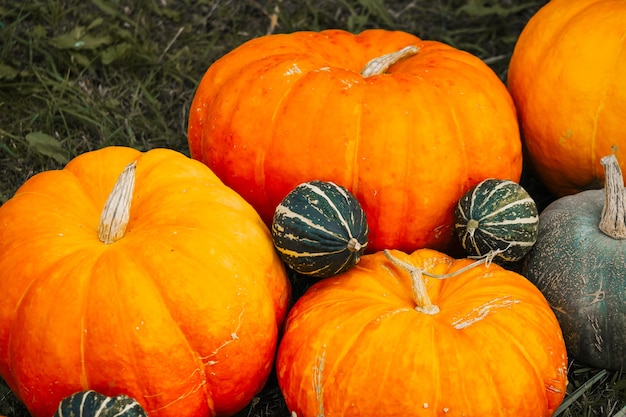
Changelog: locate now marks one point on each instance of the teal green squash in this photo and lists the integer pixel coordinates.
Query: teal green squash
(579, 263)
(497, 217)
(93, 404)
(320, 229)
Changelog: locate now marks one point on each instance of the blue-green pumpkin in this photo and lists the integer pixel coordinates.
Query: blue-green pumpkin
(579, 264)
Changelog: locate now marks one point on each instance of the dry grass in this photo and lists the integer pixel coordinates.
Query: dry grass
(79, 75)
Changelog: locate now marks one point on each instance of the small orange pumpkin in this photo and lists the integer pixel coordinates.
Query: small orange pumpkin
(175, 302)
(378, 340)
(406, 125)
(568, 81)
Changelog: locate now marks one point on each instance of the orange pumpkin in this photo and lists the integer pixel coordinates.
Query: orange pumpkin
(378, 340)
(178, 308)
(568, 81)
(406, 133)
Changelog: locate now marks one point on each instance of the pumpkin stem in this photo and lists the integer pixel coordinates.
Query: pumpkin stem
(613, 220)
(422, 299)
(381, 64)
(116, 212)
(420, 294)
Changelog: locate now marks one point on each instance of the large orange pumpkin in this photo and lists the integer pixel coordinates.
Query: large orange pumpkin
(180, 311)
(373, 341)
(568, 79)
(408, 136)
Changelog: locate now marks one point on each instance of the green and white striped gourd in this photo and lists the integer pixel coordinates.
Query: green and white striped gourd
(93, 404)
(320, 229)
(497, 217)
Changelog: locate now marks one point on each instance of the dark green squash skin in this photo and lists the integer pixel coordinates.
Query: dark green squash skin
(582, 273)
(93, 404)
(315, 228)
(497, 215)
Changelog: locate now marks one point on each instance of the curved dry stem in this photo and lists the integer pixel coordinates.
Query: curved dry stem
(420, 294)
(381, 64)
(116, 212)
(613, 220)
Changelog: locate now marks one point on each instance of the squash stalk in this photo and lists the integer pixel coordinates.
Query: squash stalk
(116, 212)
(420, 294)
(381, 64)
(613, 219)
(422, 300)
(354, 245)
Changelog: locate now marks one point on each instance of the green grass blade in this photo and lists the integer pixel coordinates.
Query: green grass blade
(621, 413)
(578, 393)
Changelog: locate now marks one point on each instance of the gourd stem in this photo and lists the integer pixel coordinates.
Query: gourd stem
(472, 225)
(116, 212)
(613, 219)
(354, 245)
(381, 64)
(422, 299)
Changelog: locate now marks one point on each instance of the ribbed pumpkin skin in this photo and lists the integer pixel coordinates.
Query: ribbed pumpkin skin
(567, 78)
(320, 229)
(581, 272)
(181, 314)
(497, 215)
(354, 345)
(93, 404)
(284, 109)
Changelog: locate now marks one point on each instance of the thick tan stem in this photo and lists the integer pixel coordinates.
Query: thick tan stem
(381, 64)
(420, 294)
(116, 212)
(422, 300)
(613, 220)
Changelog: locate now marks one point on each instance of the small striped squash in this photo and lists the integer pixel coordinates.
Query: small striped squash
(320, 229)
(497, 217)
(93, 404)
